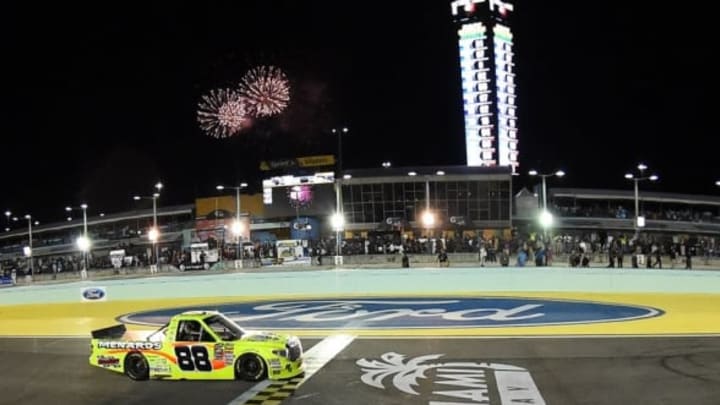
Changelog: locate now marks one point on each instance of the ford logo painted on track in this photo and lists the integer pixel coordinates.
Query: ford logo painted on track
(409, 313)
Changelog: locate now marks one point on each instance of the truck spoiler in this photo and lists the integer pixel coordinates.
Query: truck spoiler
(113, 332)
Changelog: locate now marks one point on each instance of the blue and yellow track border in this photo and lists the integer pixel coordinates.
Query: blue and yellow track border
(683, 314)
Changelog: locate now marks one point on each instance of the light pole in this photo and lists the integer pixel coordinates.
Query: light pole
(338, 193)
(636, 180)
(339, 132)
(338, 223)
(7, 215)
(83, 242)
(428, 221)
(154, 233)
(28, 251)
(237, 226)
(546, 218)
(533, 173)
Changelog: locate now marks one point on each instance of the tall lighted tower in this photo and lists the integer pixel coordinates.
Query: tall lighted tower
(488, 81)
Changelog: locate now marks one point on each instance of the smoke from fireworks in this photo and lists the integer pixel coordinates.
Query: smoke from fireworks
(266, 91)
(221, 113)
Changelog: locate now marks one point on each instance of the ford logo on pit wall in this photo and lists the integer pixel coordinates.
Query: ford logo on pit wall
(405, 313)
(93, 293)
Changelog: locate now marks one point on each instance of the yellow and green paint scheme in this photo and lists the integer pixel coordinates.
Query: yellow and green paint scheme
(198, 345)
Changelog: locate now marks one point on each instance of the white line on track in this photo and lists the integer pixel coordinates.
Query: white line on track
(249, 394)
(314, 359)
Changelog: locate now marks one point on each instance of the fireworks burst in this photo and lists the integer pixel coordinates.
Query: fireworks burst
(221, 113)
(266, 91)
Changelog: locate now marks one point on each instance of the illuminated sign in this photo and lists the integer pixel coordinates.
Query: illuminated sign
(469, 6)
(305, 161)
(488, 84)
(476, 95)
(505, 86)
(502, 6)
(300, 196)
(289, 181)
(293, 181)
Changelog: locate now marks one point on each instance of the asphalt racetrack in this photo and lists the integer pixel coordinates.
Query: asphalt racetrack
(564, 371)
(657, 342)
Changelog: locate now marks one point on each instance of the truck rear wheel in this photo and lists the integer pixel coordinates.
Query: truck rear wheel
(136, 366)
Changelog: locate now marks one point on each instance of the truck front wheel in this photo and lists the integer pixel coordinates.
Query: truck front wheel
(250, 367)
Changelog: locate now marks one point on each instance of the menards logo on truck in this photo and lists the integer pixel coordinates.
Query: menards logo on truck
(130, 345)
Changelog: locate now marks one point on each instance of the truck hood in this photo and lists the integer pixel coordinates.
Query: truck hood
(260, 336)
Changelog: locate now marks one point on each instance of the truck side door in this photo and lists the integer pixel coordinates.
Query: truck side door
(193, 347)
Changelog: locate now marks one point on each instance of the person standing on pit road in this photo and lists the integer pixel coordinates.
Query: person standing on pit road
(657, 252)
(482, 254)
(619, 254)
(318, 250)
(442, 258)
(405, 260)
(611, 255)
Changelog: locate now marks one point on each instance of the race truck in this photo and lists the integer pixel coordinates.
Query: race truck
(198, 345)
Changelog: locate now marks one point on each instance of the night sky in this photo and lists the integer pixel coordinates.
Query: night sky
(99, 102)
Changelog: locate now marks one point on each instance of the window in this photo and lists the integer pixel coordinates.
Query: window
(367, 212)
(440, 190)
(192, 331)
(378, 213)
(226, 329)
(347, 193)
(387, 192)
(462, 208)
(377, 195)
(398, 192)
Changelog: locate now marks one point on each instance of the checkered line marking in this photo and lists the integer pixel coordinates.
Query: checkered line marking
(276, 392)
(268, 392)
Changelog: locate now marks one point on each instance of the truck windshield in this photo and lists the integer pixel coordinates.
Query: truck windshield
(226, 329)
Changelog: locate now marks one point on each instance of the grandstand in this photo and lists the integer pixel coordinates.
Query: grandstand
(107, 232)
(613, 210)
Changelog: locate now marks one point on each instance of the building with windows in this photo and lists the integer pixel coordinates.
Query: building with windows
(458, 198)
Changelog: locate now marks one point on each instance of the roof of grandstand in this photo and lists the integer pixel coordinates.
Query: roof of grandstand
(650, 196)
(98, 220)
(422, 171)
